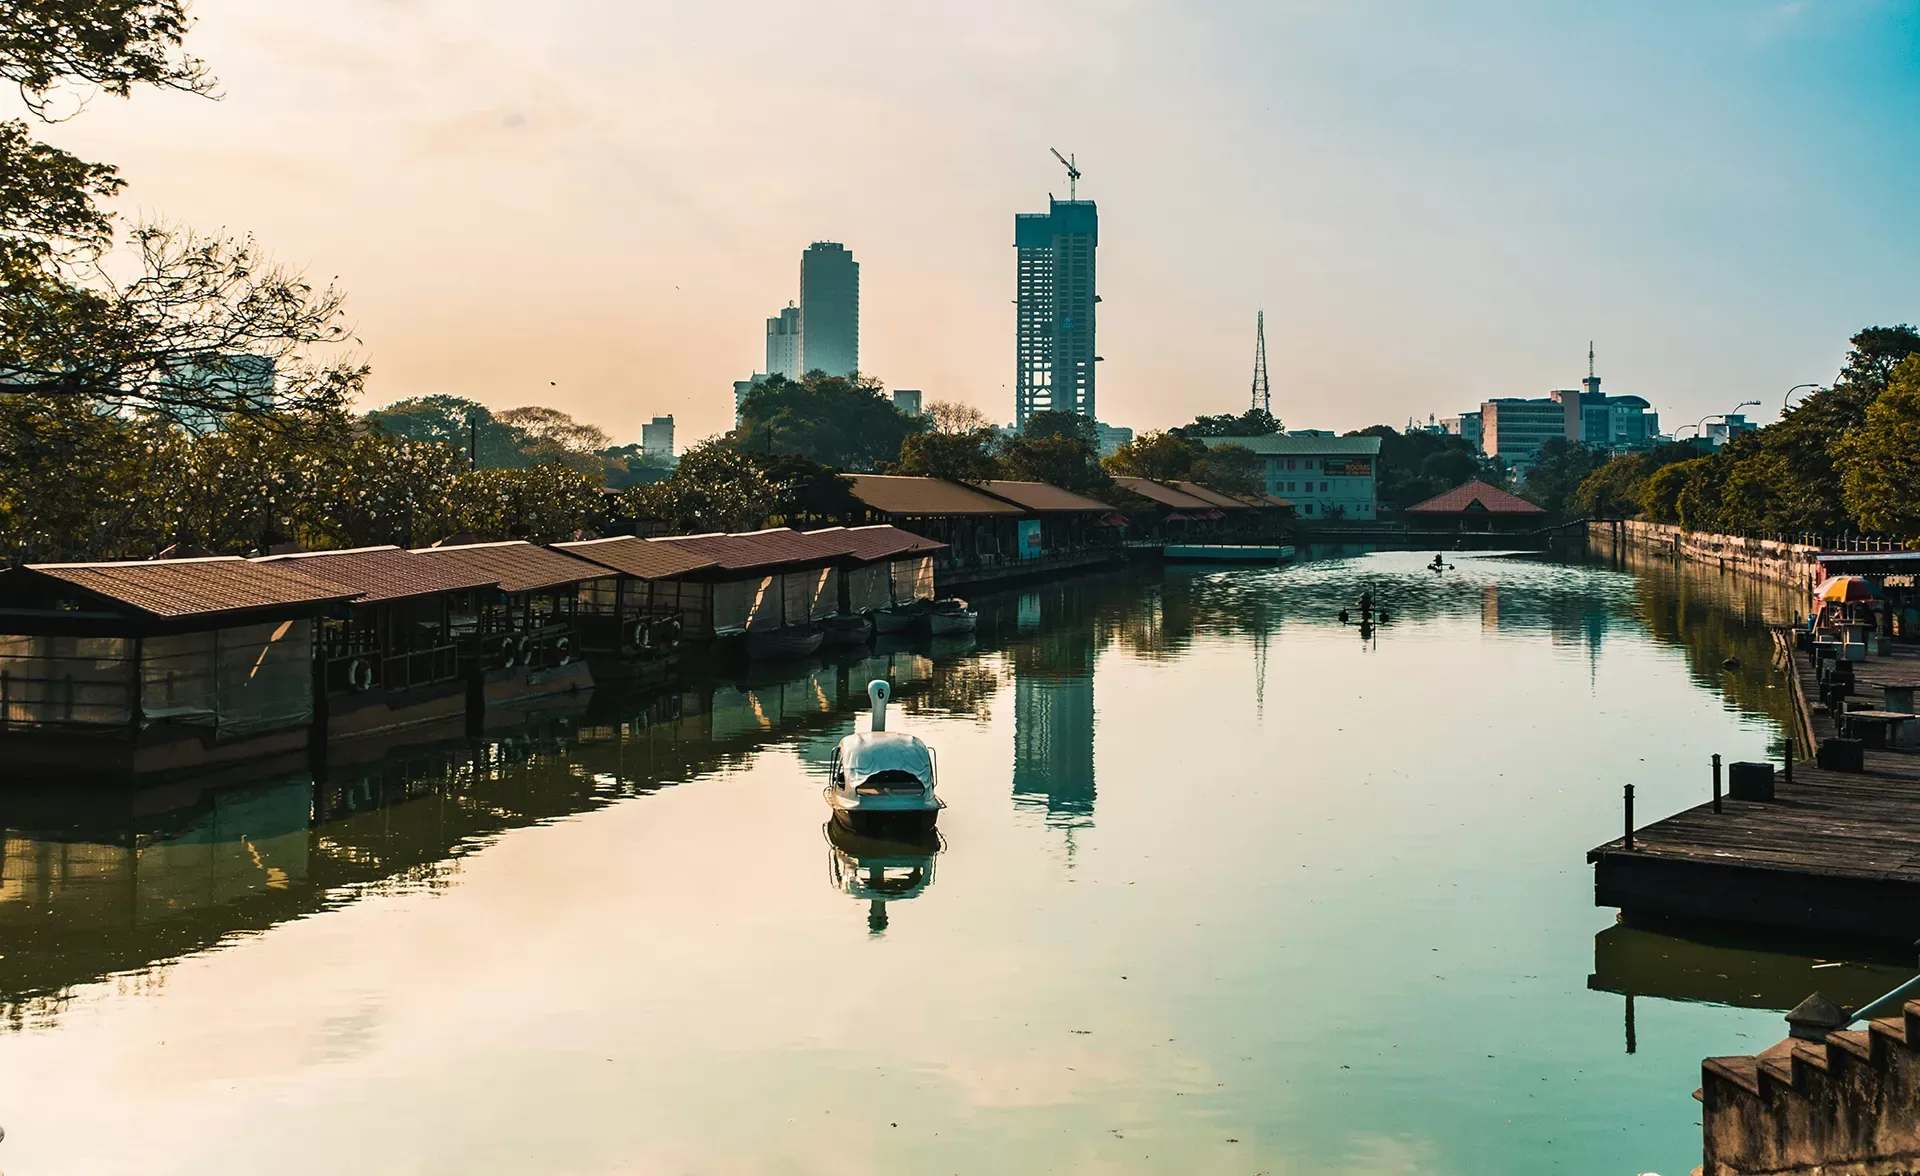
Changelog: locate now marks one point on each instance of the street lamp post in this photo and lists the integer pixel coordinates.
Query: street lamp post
(1789, 396)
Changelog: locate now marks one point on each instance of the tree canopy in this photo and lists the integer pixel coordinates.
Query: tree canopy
(835, 421)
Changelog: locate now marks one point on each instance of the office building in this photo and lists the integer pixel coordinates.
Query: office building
(1054, 302)
(656, 437)
(1727, 428)
(907, 400)
(740, 390)
(1514, 428)
(783, 344)
(1466, 425)
(1323, 476)
(829, 310)
(1110, 438)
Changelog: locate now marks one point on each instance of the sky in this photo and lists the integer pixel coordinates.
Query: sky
(595, 204)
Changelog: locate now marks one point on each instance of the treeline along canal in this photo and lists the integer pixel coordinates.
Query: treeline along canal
(1224, 885)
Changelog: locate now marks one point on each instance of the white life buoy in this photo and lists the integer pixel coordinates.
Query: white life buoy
(360, 675)
(639, 634)
(562, 651)
(509, 653)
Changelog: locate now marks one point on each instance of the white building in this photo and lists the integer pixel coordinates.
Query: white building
(656, 437)
(783, 343)
(907, 400)
(1325, 477)
(740, 390)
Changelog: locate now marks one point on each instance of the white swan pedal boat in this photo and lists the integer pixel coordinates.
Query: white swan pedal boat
(882, 781)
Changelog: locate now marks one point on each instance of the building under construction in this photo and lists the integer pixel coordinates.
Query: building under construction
(1054, 300)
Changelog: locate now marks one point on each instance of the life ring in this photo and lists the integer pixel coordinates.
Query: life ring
(562, 651)
(360, 675)
(640, 634)
(509, 653)
(671, 627)
(525, 648)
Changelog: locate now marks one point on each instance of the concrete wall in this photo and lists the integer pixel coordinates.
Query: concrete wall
(1766, 559)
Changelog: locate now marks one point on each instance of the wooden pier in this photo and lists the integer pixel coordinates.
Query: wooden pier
(1835, 855)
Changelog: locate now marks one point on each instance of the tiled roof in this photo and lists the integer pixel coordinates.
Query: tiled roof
(879, 541)
(645, 559)
(382, 573)
(198, 587)
(760, 549)
(1040, 496)
(1210, 497)
(1299, 446)
(891, 494)
(1477, 497)
(516, 565)
(1164, 495)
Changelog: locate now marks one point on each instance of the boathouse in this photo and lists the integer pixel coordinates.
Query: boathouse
(522, 642)
(1062, 522)
(884, 566)
(758, 581)
(393, 657)
(1158, 511)
(979, 529)
(638, 615)
(1476, 506)
(114, 669)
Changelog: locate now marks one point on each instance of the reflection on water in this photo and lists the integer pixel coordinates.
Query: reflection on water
(880, 870)
(580, 936)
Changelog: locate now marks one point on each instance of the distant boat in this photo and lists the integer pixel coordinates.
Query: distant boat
(951, 617)
(788, 641)
(882, 781)
(838, 632)
(901, 618)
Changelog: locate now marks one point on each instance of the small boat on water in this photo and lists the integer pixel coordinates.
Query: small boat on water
(882, 781)
(899, 619)
(788, 641)
(838, 632)
(951, 617)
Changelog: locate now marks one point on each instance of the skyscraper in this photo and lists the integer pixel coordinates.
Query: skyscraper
(1053, 309)
(829, 310)
(783, 344)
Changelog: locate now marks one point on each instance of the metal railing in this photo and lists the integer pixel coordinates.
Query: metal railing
(38, 701)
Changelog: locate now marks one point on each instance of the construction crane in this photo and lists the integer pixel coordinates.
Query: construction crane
(1262, 394)
(1073, 173)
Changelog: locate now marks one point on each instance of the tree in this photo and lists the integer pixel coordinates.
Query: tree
(632, 465)
(457, 422)
(1160, 456)
(961, 457)
(1255, 422)
(111, 45)
(1880, 461)
(543, 504)
(951, 416)
(1558, 470)
(838, 422)
(1058, 448)
(715, 488)
(1660, 493)
(804, 491)
(1413, 467)
(1232, 469)
(553, 436)
(80, 484)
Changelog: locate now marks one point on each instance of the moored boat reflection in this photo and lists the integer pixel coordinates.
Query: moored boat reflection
(880, 870)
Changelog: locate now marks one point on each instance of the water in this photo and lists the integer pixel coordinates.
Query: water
(1222, 887)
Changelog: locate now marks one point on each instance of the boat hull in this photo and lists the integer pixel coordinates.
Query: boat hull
(841, 632)
(952, 624)
(776, 644)
(887, 823)
(892, 621)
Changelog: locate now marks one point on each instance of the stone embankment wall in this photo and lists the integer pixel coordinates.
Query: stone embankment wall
(1766, 559)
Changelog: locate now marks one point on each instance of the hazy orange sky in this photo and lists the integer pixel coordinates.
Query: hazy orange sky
(595, 205)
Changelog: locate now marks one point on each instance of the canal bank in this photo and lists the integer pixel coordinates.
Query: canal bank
(429, 957)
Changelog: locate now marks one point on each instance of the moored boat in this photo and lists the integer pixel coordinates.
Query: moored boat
(951, 617)
(882, 781)
(838, 632)
(788, 641)
(899, 619)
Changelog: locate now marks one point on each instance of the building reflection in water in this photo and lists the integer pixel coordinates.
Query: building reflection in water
(1053, 715)
(880, 871)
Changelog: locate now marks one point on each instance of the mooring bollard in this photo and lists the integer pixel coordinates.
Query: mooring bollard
(1716, 782)
(1627, 841)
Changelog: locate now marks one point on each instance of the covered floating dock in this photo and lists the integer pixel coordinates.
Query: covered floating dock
(125, 668)
(523, 638)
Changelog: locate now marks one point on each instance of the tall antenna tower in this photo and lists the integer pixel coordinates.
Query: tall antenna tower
(1262, 394)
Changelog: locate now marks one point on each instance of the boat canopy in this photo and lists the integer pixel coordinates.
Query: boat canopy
(868, 753)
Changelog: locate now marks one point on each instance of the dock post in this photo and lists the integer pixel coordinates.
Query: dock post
(1789, 759)
(1627, 841)
(1716, 781)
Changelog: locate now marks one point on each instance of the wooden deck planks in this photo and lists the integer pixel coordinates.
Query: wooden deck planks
(1835, 851)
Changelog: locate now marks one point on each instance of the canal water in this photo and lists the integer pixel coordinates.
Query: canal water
(1224, 885)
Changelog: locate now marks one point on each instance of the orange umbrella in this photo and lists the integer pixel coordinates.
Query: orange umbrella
(1846, 590)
